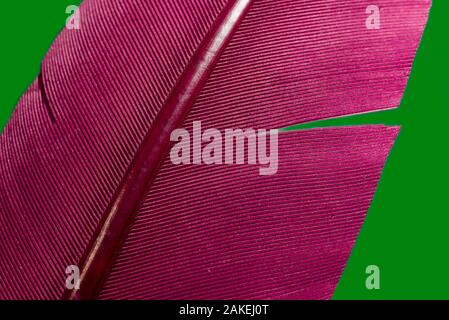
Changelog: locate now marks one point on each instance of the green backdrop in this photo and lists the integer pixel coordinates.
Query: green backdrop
(406, 232)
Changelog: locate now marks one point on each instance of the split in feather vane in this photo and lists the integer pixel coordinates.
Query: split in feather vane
(200, 232)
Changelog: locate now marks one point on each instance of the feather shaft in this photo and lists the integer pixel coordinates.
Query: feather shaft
(111, 232)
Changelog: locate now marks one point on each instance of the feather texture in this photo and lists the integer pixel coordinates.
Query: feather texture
(224, 232)
(106, 85)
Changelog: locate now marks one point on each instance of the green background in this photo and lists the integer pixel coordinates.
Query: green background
(406, 232)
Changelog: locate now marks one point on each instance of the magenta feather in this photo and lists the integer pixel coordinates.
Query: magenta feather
(70, 152)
